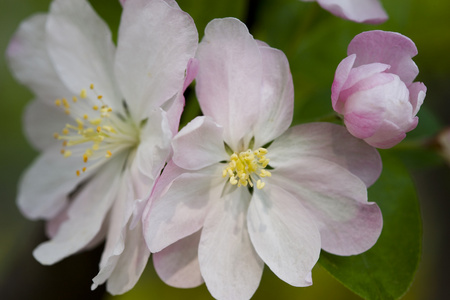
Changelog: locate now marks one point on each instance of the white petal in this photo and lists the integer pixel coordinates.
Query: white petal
(155, 44)
(131, 263)
(45, 185)
(199, 144)
(85, 215)
(29, 61)
(276, 106)
(154, 147)
(229, 78)
(229, 264)
(337, 200)
(182, 208)
(115, 239)
(41, 121)
(80, 46)
(330, 142)
(283, 234)
(177, 265)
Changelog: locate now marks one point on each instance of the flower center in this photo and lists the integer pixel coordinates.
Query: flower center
(247, 166)
(97, 127)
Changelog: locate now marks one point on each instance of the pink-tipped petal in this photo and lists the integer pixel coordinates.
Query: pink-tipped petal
(229, 78)
(284, 234)
(276, 105)
(177, 265)
(330, 142)
(337, 201)
(199, 144)
(340, 78)
(152, 53)
(388, 135)
(417, 92)
(229, 264)
(361, 11)
(389, 48)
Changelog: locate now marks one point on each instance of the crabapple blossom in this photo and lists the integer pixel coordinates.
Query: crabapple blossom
(103, 118)
(361, 11)
(373, 88)
(243, 190)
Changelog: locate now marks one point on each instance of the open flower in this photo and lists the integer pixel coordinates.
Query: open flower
(373, 88)
(361, 11)
(243, 189)
(103, 119)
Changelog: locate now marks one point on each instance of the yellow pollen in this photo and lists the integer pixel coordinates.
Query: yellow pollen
(84, 169)
(95, 107)
(108, 154)
(62, 151)
(64, 144)
(99, 129)
(244, 167)
(58, 102)
(65, 103)
(74, 99)
(99, 97)
(85, 117)
(78, 172)
(91, 86)
(83, 94)
(67, 153)
(56, 135)
(67, 112)
(65, 131)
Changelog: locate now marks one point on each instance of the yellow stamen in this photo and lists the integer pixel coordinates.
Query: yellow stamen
(67, 153)
(84, 169)
(56, 135)
(99, 97)
(95, 107)
(83, 94)
(78, 172)
(74, 99)
(245, 166)
(58, 102)
(65, 131)
(85, 117)
(91, 86)
(108, 154)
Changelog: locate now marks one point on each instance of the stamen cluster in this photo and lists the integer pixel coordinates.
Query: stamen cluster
(97, 127)
(246, 165)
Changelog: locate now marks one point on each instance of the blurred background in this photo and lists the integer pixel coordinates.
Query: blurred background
(315, 42)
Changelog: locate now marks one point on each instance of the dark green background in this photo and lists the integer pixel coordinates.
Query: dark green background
(315, 42)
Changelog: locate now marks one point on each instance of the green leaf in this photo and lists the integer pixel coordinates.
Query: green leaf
(386, 270)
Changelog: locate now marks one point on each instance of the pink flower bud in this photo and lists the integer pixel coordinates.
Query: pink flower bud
(373, 88)
(361, 11)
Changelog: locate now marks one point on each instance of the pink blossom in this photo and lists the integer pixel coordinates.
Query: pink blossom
(361, 11)
(230, 202)
(103, 118)
(373, 88)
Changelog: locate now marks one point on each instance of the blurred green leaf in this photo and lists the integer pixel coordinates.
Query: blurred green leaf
(387, 270)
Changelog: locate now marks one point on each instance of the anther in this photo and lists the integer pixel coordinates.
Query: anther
(99, 97)
(58, 102)
(108, 153)
(83, 94)
(74, 99)
(91, 86)
(78, 172)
